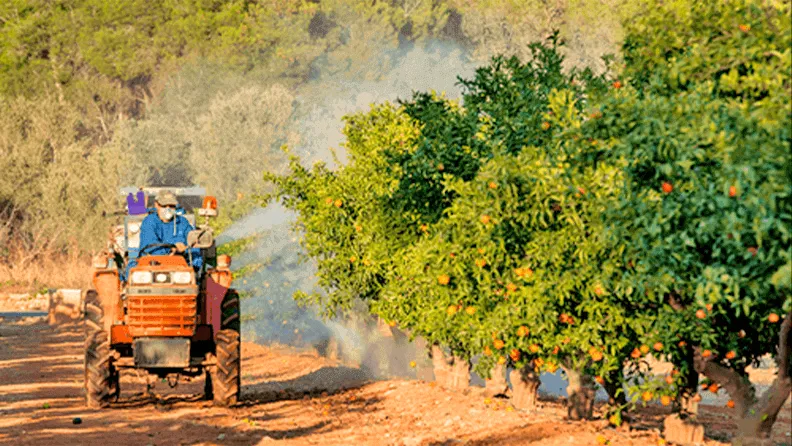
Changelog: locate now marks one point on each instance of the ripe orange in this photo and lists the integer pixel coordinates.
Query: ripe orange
(487, 351)
(424, 227)
(545, 125)
(470, 310)
(706, 353)
(669, 380)
(352, 259)
(511, 287)
(501, 360)
(667, 187)
(451, 310)
(485, 219)
(644, 349)
(533, 348)
(481, 263)
(565, 341)
(443, 279)
(358, 228)
(730, 354)
(745, 28)
(617, 85)
(596, 355)
(492, 185)
(522, 331)
(665, 400)
(598, 291)
(741, 334)
(696, 398)
(730, 404)
(732, 191)
(514, 355)
(701, 314)
(752, 250)
(682, 343)
(773, 318)
(601, 439)
(329, 200)
(338, 203)
(647, 396)
(658, 346)
(555, 350)
(714, 388)
(600, 380)
(635, 354)
(440, 167)
(498, 344)
(392, 323)
(709, 307)
(538, 362)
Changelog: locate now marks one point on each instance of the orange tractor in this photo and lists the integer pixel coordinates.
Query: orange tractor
(162, 315)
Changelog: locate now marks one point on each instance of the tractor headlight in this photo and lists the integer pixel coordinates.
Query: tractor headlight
(161, 277)
(133, 228)
(182, 278)
(140, 277)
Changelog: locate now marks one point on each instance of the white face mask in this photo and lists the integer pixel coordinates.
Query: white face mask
(167, 214)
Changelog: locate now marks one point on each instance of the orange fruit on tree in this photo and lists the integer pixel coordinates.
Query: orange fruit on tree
(424, 227)
(522, 331)
(443, 279)
(498, 344)
(669, 380)
(635, 354)
(514, 355)
(352, 259)
(752, 250)
(741, 334)
(565, 341)
(658, 346)
(644, 349)
(773, 318)
(555, 350)
(338, 203)
(358, 228)
(730, 404)
(538, 362)
(533, 348)
(701, 314)
(501, 360)
(709, 307)
(329, 200)
(485, 219)
(487, 351)
(440, 167)
(595, 354)
(545, 125)
(744, 28)
(667, 187)
(481, 263)
(511, 287)
(392, 323)
(714, 388)
(704, 386)
(732, 191)
(617, 85)
(682, 343)
(706, 353)
(730, 354)
(451, 310)
(492, 185)
(600, 380)
(647, 396)
(665, 400)
(470, 310)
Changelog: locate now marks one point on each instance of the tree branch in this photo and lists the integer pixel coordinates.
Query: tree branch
(737, 385)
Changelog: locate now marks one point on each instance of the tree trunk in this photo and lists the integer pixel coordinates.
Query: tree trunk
(497, 384)
(451, 372)
(756, 425)
(525, 386)
(580, 393)
(685, 405)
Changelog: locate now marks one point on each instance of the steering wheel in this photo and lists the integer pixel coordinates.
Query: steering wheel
(155, 245)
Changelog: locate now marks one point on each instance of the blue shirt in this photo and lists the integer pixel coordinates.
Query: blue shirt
(153, 230)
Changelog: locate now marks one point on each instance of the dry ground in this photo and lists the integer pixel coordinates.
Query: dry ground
(289, 398)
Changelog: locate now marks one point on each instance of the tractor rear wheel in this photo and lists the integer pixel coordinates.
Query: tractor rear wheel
(101, 379)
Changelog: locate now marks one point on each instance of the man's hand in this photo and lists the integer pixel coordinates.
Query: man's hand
(181, 247)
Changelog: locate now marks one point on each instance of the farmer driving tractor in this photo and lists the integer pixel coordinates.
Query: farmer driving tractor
(165, 232)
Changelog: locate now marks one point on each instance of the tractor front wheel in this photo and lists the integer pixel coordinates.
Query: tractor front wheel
(101, 378)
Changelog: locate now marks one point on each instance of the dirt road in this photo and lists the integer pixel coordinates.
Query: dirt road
(289, 398)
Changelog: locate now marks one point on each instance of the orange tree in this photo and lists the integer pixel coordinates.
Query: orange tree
(707, 203)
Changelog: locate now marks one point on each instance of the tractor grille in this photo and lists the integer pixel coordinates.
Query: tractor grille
(161, 315)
